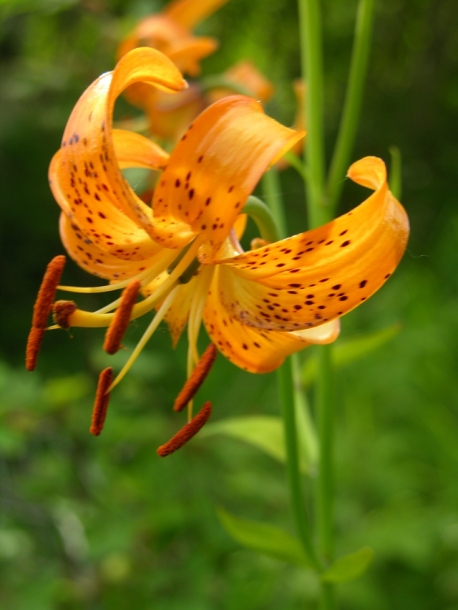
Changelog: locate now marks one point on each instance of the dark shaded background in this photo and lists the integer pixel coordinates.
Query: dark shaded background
(104, 523)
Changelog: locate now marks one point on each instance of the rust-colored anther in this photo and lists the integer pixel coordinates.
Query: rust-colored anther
(121, 319)
(102, 399)
(33, 347)
(42, 309)
(186, 432)
(61, 312)
(196, 378)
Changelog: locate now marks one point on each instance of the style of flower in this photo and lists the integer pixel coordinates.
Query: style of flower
(184, 253)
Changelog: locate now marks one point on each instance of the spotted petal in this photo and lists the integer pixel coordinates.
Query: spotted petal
(96, 261)
(85, 175)
(212, 171)
(256, 350)
(308, 279)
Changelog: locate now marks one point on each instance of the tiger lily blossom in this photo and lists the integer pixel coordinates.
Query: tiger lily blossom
(183, 253)
(170, 32)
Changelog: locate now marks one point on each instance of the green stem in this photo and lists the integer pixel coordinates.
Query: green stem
(319, 213)
(286, 391)
(353, 100)
(271, 187)
(325, 482)
(289, 399)
(263, 217)
(312, 72)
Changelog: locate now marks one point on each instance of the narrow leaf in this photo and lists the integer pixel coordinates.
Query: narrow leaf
(263, 431)
(264, 538)
(396, 172)
(346, 352)
(349, 566)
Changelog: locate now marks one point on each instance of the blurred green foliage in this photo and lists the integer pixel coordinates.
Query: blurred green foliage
(104, 523)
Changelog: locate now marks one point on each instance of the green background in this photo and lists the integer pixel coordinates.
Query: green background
(103, 523)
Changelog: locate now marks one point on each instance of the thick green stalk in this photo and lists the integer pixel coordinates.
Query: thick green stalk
(319, 213)
(325, 481)
(312, 72)
(271, 188)
(287, 399)
(352, 105)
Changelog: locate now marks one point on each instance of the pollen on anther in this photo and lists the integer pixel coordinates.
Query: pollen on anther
(196, 378)
(42, 309)
(187, 432)
(121, 319)
(61, 312)
(102, 399)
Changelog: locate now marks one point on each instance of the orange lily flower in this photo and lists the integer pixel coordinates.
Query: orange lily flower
(184, 251)
(169, 116)
(170, 32)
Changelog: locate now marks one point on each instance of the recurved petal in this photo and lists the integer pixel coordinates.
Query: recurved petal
(317, 276)
(189, 13)
(85, 175)
(188, 52)
(212, 171)
(134, 150)
(95, 260)
(256, 350)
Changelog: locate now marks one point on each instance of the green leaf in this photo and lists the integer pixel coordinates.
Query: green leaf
(349, 566)
(351, 350)
(264, 538)
(264, 432)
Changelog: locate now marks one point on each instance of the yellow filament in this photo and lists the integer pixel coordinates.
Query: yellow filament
(190, 367)
(161, 312)
(166, 259)
(89, 319)
(197, 308)
(195, 321)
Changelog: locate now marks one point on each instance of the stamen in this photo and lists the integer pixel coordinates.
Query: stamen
(42, 309)
(61, 312)
(160, 314)
(196, 378)
(33, 347)
(100, 319)
(102, 399)
(121, 319)
(197, 307)
(187, 432)
(166, 258)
